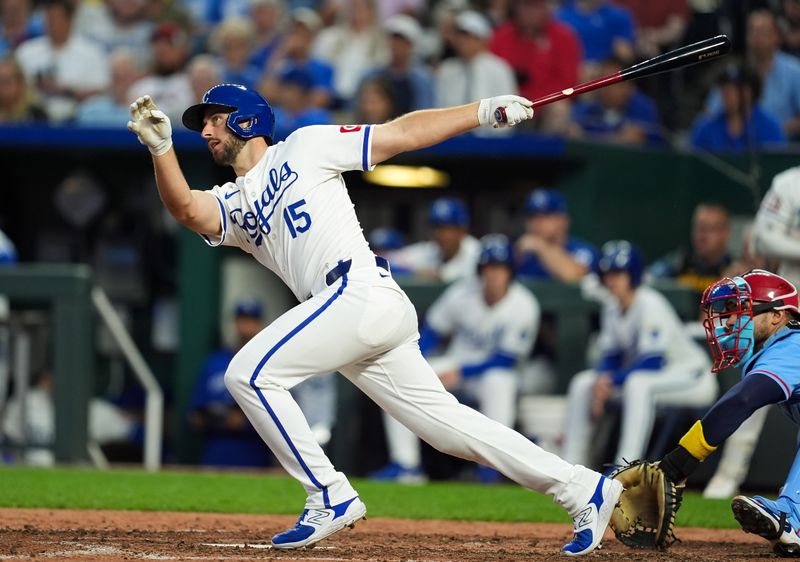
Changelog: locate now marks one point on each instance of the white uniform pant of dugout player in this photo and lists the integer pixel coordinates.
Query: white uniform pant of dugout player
(494, 392)
(687, 385)
(365, 327)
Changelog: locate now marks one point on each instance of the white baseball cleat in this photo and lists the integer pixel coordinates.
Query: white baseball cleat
(591, 521)
(317, 524)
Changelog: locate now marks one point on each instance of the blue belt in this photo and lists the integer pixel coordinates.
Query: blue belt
(344, 266)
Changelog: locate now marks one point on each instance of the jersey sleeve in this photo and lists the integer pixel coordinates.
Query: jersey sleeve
(522, 328)
(781, 365)
(337, 148)
(228, 236)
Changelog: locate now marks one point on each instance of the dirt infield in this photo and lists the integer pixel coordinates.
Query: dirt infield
(129, 535)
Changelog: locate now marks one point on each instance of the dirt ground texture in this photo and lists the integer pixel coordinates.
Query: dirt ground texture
(130, 535)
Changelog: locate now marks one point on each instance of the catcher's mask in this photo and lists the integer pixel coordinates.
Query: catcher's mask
(730, 305)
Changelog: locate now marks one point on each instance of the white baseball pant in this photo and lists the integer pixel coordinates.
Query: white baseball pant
(365, 327)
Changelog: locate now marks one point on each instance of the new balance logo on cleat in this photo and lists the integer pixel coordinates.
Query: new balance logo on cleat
(590, 523)
(317, 524)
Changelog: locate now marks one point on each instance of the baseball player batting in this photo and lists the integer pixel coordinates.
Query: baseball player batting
(290, 209)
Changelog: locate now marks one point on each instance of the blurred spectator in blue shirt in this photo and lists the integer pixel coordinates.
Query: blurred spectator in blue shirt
(267, 17)
(112, 109)
(410, 81)
(740, 124)
(295, 52)
(618, 113)
(375, 102)
(230, 440)
(17, 24)
(293, 108)
(232, 41)
(605, 30)
(779, 72)
(546, 251)
(18, 101)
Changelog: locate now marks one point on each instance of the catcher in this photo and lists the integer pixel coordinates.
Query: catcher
(750, 321)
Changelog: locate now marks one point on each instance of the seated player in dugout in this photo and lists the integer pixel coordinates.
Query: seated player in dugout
(490, 323)
(648, 360)
(546, 251)
(751, 322)
(708, 257)
(453, 252)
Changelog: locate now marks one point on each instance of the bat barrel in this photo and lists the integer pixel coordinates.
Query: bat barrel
(702, 51)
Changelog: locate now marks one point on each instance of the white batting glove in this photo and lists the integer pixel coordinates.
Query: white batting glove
(504, 111)
(151, 126)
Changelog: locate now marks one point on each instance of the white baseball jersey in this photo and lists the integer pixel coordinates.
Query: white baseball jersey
(777, 225)
(650, 326)
(269, 212)
(478, 330)
(427, 256)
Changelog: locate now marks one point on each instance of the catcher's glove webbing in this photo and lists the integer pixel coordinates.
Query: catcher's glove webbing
(645, 514)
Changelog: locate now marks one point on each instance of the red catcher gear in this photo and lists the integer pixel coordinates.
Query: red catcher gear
(767, 287)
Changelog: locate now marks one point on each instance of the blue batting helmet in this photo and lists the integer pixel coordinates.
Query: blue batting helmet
(449, 211)
(251, 115)
(496, 248)
(386, 238)
(621, 255)
(248, 307)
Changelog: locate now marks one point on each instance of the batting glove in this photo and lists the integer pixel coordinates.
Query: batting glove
(151, 125)
(504, 111)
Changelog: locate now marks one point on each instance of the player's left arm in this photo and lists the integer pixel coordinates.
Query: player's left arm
(558, 261)
(725, 416)
(420, 129)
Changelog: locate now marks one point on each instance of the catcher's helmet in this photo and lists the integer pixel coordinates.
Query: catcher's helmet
(496, 248)
(730, 305)
(251, 115)
(449, 211)
(621, 255)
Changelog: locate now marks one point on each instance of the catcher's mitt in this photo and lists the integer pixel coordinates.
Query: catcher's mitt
(645, 514)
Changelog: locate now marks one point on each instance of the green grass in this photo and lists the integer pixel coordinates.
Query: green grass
(249, 493)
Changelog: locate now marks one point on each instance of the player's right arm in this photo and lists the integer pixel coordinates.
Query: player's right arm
(196, 210)
(420, 129)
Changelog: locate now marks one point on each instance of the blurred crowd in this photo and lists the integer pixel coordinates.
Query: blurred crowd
(81, 62)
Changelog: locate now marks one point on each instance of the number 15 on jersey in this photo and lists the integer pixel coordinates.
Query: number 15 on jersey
(297, 221)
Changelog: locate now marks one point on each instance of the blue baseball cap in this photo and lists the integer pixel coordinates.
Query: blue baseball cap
(545, 201)
(248, 307)
(385, 238)
(449, 211)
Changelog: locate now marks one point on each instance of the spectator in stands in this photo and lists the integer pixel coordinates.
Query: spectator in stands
(113, 108)
(230, 440)
(475, 72)
(116, 24)
(779, 72)
(204, 72)
(648, 360)
(741, 124)
(18, 101)
(790, 25)
(168, 83)
(295, 51)
(619, 113)
(267, 17)
(293, 106)
(375, 102)
(606, 31)
(659, 25)
(232, 41)
(16, 24)
(353, 46)
(490, 323)
(707, 258)
(546, 251)
(411, 82)
(544, 53)
(65, 67)
(453, 252)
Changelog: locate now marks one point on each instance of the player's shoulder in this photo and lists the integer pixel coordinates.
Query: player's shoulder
(788, 180)
(652, 300)
(522, 299)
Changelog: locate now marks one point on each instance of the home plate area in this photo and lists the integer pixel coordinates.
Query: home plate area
(129, 535)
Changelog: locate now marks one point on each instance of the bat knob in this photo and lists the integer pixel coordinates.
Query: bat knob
(500, 115)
